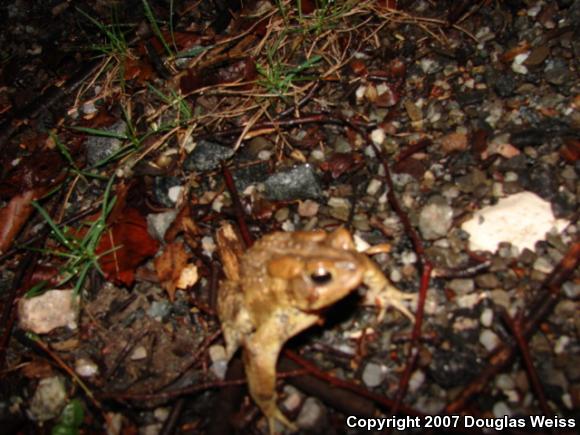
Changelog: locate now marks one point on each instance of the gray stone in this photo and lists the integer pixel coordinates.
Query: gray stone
(206, 156)
(374, 374)
(312, 415)
(435, 220)
(299, 182)
(100, 148)
(462, 285)
(487, 280)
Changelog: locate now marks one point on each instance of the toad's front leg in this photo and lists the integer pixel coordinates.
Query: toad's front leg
(261, 351)
(381, 293)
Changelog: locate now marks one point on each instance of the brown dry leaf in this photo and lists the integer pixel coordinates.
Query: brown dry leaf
(173, 269)
(14, 216)
(230, 248)
(37, 369)
(183, 224)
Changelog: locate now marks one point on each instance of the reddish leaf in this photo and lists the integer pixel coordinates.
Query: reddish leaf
(339, 163)
(189, 82)
(39, 170)
(358, 67)
(387, 4)
(571, 150)
(307, 6)
(14, 215)
(243, 70)
(139, 70)
(134, 244)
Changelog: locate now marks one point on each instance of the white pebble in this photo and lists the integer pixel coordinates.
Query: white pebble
(373, 187)
(489, 339)
(561, 344)
(486, 317)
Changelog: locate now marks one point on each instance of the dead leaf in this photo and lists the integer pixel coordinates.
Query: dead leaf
(173, 269)
(183, 224)
(14, 216)
(230, 248)
(133, 245)
(339, 163)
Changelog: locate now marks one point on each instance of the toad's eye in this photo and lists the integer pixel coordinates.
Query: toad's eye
(321, 277)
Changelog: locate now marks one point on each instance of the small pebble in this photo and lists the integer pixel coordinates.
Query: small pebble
(86, 368)
(312, 415)
(489, 339)
(486, 317)
(571, 289)
(543, 265)
(49, 399)
(501, 409)
(373, 187)
(561, 344)
(435, 220)
(462, 285)
(378, 136)
(138, 353)
(505, 381)
(416, 381)
(308, 208)
(374, 374)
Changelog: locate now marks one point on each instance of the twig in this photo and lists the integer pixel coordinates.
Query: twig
(238, 209)
(515, 326)
(427, 267)
(383, 401)
(69, 371)
(320, 118)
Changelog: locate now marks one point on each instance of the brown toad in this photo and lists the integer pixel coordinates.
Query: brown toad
(278, 290)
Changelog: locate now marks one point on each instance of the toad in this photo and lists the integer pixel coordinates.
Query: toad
(279, 288)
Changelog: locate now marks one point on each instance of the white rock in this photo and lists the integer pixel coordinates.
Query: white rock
(378, 136)
(158, 223)
(49, 399)
(435, 220)
(500, 409)
(86, 368)
(174, 193)
(50, 310)
(416, 381)
(561, 343)
(373, 187)
(374, 374)
(312, 415)
(208, 245)
(521, 219)
(486, 317)
(138, 353)
(489, 339)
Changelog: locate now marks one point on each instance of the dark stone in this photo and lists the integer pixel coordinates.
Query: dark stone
(504, 85)
(161, 186)
(299, 182)
(452, 368)
(206, 156)
(470, 98)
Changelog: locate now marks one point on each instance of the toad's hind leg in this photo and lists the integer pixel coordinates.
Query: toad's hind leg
(261, 350)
